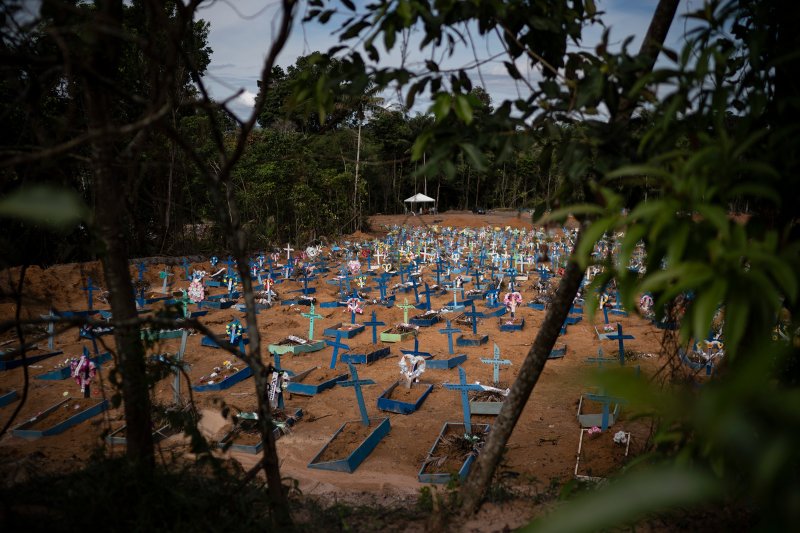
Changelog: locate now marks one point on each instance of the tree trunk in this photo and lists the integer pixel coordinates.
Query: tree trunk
(109, 210)
(483, 470)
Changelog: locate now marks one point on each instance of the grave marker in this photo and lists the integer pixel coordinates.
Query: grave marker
(373, 323)
(496, 362)
(356, 384)
(449, 331)
(337, 344)
(464, 388)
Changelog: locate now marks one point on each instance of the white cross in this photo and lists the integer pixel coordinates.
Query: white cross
(288, 251)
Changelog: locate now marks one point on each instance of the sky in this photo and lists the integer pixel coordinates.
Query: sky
(242, 31)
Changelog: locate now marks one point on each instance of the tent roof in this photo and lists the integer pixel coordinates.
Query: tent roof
(419, 197)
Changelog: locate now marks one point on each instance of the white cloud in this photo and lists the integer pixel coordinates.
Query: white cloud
(247, 98)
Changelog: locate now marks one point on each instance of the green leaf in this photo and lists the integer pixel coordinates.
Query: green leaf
(474, 155)
(705, 306)
(463, 108)
(637, 170)
(56, 207)
(628, 498)
(441, 106)
(578, 209)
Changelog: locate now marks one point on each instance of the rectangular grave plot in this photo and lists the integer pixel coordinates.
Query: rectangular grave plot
(31, 356)
(227, 382)
(572, 320)
(314, 381)
(350, 445)
(119, 435)
(425, 320)
(348, 330)
(472, 340)
(486, 403)
(250, 442)
(217, 304)
(397, 334)
(558, 353)
(536, 306)
(150, 335)
(365, 358)
(516, 324)
(64, 372)
(6, 397)
(443, 463)
(398, 399)
(60, 417)
(445, 363)
(590, 413)
(599, 456)
(288, 345)
(491, 313)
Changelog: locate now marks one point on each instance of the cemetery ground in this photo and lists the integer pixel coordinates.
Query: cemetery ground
(540, 457)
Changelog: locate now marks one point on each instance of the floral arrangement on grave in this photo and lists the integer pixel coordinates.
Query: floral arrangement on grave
(511, 300)
(233, 331)
(620, 437)
(594, 432)
(354, 266)
(646, 305)
(197, 292)
(354, 306)
(707, 350)
(610, 328)
(218, 373)
(313, 251)
(277, 384)
(411, 368)
(83, 371)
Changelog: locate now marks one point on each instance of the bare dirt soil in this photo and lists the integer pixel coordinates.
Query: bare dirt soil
(541, 451)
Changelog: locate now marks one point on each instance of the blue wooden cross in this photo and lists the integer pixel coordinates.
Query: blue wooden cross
(142, 268)
(90, 290)
(311, 316)
(51, 327)
(605, 314)
(512, 274)
(416, 351)
(374, 325)
(185, 265)
(427, 292)
(305, 279)
(229, 263)
(382, 286)
(491, 294)
(337, 344)
(277, 357)
(473, 316)
(439, 271)
(464, 388)
(415, 285)
(621, 338)
(496, 362)
(164, 274)
(455, 290)
(356, 384)
(449, 331)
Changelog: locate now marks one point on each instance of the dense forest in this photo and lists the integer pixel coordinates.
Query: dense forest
(301, 176)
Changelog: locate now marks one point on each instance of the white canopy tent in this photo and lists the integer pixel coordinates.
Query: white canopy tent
(419, 198)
